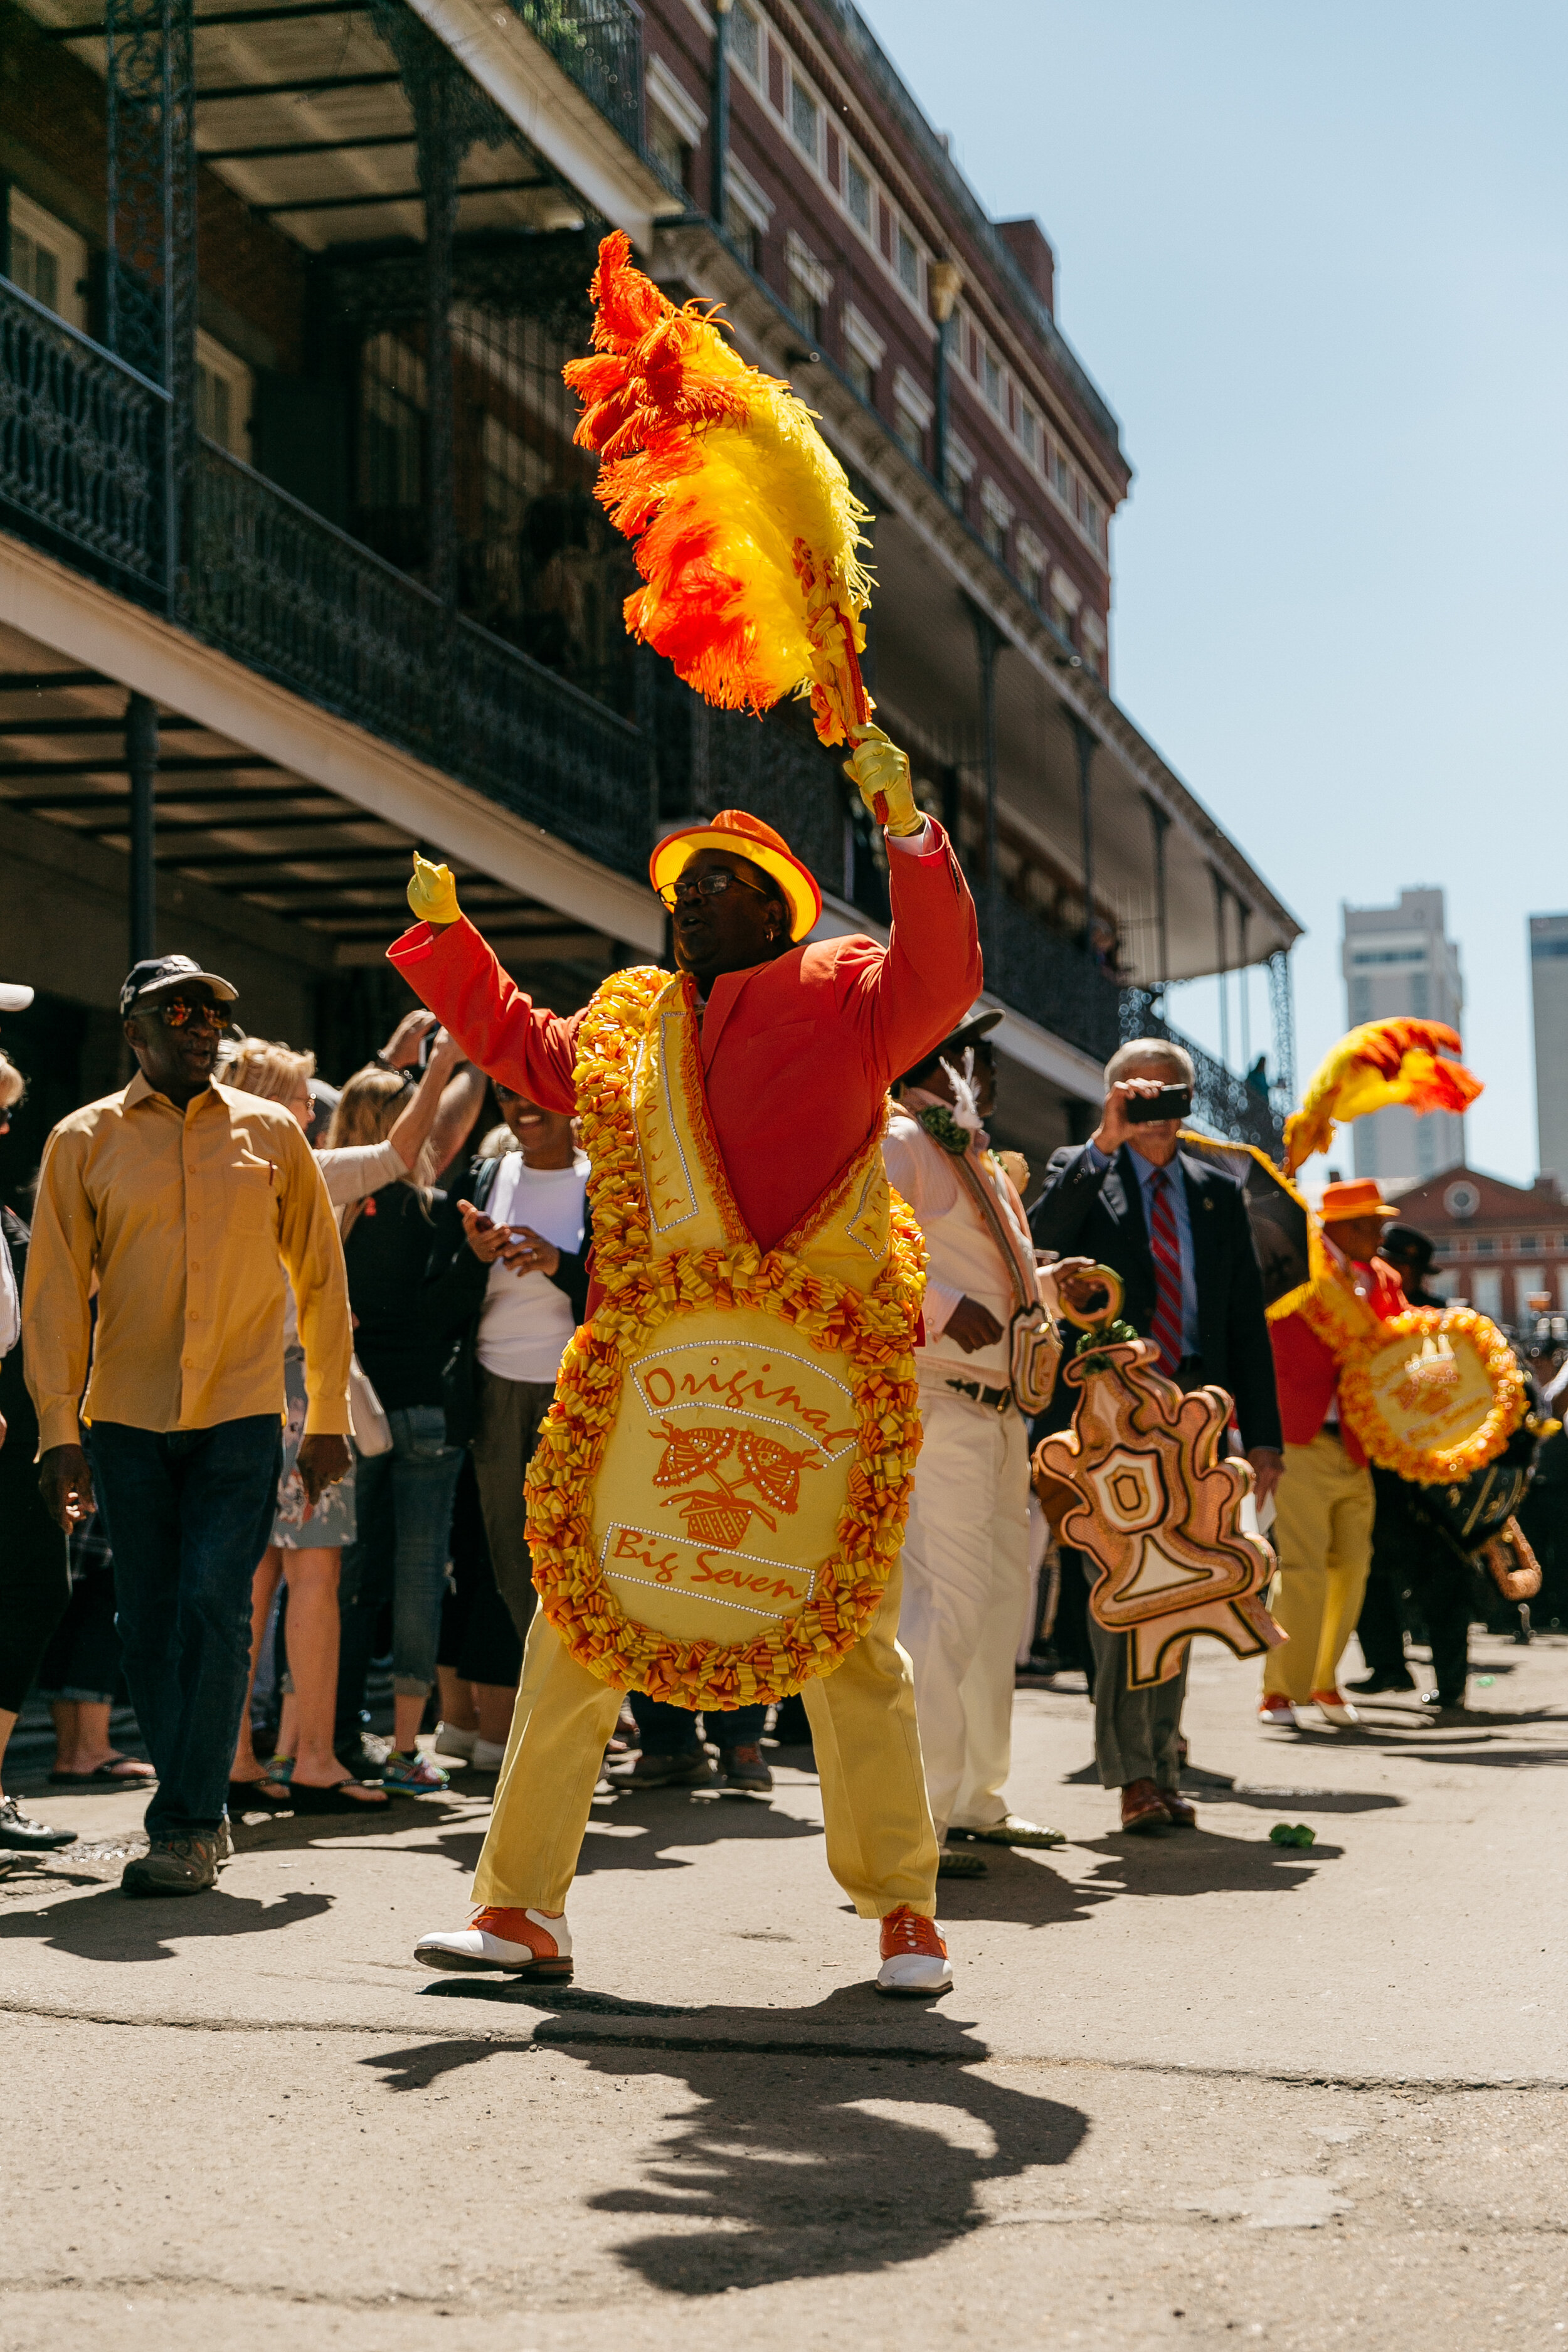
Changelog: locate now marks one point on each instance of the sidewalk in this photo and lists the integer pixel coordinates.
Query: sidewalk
(1200, 2074)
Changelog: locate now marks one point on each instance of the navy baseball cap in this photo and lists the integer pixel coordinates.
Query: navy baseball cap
(155, 972)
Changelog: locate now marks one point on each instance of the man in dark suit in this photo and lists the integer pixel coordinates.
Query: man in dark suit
(1176, 1231)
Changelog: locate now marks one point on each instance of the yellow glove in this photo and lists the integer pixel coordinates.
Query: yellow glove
(433, 894)
(880, 773)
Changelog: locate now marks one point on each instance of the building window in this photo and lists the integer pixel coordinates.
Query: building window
(910, 431)
(908, 262)
(1485, 1246)
(1061, 477)
(1093, 516)
(1093, 640)
(48, 261)
(744, 234)
(1361, 1001)
(745, 42)
(858, 194)
(1031, 566)
(805, 118)
(1525, 1242)
(669, 149)
(807, 285)
(223, 396)
(864, 352)
(959, 474)
(1030, 432)
(992, 380)
(747, 214)
(996, 520)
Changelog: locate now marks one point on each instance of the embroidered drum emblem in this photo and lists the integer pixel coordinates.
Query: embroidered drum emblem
(716, 1511)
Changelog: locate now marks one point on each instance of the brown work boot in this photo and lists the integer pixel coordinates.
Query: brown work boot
(1143, 1808)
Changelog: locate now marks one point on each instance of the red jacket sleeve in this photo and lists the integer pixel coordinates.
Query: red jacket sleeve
(500, 1029)
(910, 997)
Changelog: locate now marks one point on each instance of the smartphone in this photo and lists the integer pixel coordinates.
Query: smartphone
(483, 1222)
(1171, 1102)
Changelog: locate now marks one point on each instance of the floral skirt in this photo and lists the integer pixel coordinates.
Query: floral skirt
(332, 1521)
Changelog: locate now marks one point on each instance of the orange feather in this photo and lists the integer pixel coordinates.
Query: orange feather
(743, 522)
(1379, 1063)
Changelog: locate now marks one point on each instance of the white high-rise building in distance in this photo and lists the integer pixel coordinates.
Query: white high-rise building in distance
(1398, 961)
(1549, 1004)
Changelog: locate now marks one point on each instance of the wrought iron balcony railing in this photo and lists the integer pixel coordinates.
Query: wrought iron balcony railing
(82, 446)
(1049, 979)
(599, 43)
(285, 591)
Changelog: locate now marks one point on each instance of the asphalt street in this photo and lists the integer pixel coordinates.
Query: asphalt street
(1200, 2089)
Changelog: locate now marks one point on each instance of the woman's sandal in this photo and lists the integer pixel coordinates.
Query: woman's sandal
(264, 1795)
(342, 1797)
(105, 1776)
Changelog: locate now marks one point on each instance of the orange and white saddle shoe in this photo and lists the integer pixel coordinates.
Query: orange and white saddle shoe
(528, 1944)
(914, 1957)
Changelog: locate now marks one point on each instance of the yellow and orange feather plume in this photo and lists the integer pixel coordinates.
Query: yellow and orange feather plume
(1380, 1063)
(745, 525)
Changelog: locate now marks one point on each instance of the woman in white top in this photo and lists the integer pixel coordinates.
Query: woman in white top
(525, 1220)
(307, 1546)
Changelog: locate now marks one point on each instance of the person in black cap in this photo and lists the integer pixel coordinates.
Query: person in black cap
(187, 1201)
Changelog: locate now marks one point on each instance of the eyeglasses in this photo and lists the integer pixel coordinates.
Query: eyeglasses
(180, 1011)
(689, 890)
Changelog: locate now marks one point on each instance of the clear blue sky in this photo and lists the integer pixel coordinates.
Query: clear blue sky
(1316, 256)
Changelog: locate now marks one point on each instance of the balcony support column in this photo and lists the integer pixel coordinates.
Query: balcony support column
(142, 761)
(1159, 826)
(151, 235)
(451, 114)
(1282, 1008)
(1221, 963)
(1085, 742)
(1243, 917)
(946, 281)
(719, 113)
(989, 644)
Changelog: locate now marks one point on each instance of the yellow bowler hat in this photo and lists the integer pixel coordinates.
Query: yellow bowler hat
(746, 836)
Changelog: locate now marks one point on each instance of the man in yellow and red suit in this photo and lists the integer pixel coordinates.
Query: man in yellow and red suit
(800, 1041)
(1323, 1530)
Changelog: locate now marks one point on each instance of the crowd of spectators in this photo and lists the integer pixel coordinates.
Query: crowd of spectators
(432, 1326)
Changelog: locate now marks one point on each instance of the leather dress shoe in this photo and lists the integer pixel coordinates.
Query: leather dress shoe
(1384, 1681)
(20, 1835)
(1180, 1810)
(1143, 1808)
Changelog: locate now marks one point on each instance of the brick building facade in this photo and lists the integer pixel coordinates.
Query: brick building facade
(1498, 1243)
(327, 531)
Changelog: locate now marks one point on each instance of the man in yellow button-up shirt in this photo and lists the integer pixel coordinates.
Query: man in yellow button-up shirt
(190, 1202)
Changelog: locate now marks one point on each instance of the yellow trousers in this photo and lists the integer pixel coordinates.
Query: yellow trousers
(881, 1847)
(1323, 1537)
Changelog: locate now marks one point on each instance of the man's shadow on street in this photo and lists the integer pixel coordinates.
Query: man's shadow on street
(802, 2164)
(110, 1926)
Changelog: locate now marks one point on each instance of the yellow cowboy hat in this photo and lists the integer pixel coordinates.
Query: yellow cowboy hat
(745, 837)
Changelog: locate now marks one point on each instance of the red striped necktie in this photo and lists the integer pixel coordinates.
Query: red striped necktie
(1166, 1330)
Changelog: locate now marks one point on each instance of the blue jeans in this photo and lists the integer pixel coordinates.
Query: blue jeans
(188, 1512)
(666, 1730)
(404, 1503)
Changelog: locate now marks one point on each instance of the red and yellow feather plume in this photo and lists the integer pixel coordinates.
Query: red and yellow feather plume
(1380, 1063)
(745, 525)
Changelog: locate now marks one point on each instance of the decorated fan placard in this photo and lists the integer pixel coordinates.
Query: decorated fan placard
(742, 521)
(1142, 1485)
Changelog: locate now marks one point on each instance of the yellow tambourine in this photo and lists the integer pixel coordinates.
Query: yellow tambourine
(1437, 1397)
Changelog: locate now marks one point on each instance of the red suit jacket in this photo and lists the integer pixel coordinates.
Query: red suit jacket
(799, 1054)
(1306, 1372)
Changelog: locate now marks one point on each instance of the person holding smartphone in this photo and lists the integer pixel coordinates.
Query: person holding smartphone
(1176, 1231)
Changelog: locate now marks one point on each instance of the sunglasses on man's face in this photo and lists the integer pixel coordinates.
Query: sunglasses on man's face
(182, 1011)
(692, 887)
